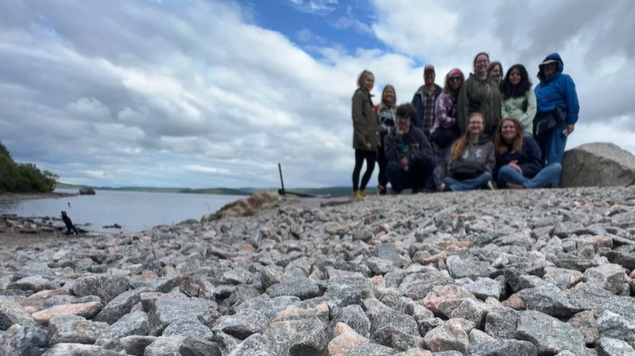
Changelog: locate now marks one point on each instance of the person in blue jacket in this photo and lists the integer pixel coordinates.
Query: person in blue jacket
(519, 163)
(558, 109)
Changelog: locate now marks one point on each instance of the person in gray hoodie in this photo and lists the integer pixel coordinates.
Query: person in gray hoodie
(472, 159)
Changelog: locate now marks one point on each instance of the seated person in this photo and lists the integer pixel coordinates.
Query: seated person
(519, 163)
(472, 159)
(409, 154)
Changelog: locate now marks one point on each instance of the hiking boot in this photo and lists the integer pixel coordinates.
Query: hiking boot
(356, 195)
(362, 194)
(490, 185)
(445, 188)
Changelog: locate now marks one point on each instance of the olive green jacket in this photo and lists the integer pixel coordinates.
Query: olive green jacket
(365, 126)
(480, 96)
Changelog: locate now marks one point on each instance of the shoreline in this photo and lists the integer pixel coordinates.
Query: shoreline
(11, 197)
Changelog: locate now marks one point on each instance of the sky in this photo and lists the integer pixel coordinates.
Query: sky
(216, 93)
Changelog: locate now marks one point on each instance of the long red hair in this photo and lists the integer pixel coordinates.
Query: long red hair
(501, 144)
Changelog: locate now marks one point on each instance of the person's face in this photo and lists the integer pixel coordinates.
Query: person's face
(481, 64)
(550, 68)
(496, 73)
(389, 96)
(455, 82)
(508, 130)
(403, 123)
(369, 82)
(475, 126)
(514, 77)
(429, 76)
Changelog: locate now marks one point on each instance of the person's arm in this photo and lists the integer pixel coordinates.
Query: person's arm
(393, 144)
(441, 108)
(571, 98)
(535, 163)
(527, 118)
(463, 107)
(358, 118)
(490, 163)
(425, 149)
(504, 112)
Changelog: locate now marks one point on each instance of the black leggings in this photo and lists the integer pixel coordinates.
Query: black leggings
(382, 162)
(360, 156)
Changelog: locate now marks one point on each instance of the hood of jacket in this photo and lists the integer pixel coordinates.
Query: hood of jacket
(559, 70)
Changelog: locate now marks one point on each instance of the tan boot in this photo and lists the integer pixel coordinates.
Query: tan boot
(362, 194)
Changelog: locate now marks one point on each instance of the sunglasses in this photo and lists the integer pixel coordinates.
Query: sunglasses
(455, 79)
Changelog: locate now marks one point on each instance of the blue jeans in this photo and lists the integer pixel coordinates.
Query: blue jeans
(468, 184)
(547, 176)
(552, 144)
(416, 177)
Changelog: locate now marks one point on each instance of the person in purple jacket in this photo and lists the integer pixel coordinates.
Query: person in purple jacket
(519, 163)
(445, 129)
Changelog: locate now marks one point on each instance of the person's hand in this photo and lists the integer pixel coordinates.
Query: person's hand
(570, 129)
(368, 145)
(404, 161)
(514, 165)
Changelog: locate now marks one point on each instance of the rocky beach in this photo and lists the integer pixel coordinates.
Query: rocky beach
(545, 272)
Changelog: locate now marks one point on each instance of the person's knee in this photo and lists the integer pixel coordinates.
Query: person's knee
(487, 176)
(504, 172)
(392, 168)
(556, 167)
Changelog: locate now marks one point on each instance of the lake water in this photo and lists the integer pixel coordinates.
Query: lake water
(134, 211)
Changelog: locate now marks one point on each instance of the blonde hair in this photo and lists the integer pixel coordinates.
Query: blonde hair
(363, 76)
(383, 103)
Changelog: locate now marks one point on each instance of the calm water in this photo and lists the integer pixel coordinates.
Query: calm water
(134, 211)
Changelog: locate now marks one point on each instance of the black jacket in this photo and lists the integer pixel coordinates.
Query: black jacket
(413, 145)
(67, 221)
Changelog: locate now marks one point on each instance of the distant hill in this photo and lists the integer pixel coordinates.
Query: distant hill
(217, 191)
(324, 191)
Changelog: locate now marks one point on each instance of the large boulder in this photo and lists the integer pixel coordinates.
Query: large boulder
(597, 164)
(86, 191)
(243, 207)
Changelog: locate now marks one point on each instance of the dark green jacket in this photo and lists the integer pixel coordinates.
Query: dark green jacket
(365, 127)
(479, 96)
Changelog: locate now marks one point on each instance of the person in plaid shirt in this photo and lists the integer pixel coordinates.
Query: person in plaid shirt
(424, 100)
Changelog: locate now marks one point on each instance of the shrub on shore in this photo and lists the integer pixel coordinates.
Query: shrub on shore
(23, 177)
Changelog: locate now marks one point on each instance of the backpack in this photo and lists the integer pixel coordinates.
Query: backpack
(463, 169)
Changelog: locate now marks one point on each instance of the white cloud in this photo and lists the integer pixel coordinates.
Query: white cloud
(167, 98)
(89, 108)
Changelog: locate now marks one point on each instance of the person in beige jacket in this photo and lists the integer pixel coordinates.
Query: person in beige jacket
(366, 140)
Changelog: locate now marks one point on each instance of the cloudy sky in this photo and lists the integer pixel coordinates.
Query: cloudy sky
(207, 93)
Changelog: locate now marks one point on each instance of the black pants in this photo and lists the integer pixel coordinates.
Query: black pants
(382, 161)
(73, 228)
(416, 177)
(360, 156)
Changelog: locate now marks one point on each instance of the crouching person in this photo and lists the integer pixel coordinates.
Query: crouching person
(472, 159)
(519, 162)
(410, 158)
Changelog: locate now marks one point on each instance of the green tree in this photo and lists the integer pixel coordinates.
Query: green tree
(23, 177)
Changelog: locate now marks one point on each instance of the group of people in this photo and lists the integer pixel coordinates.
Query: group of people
(477, 133)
